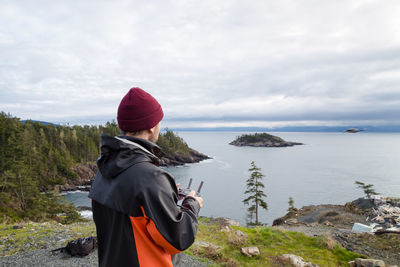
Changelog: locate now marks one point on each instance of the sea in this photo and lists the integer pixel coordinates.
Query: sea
(322, 171)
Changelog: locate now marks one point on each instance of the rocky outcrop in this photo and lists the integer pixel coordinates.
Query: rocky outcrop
(369, 262)
(177, 159)
(224, 221)
(360, 206)
(85, 173)
(337, 222)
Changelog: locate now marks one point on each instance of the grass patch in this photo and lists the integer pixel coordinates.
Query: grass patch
(32, 236)
(213, 246)
(225, 248)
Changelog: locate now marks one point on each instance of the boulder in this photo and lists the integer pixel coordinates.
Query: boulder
(296, 261)
(369, 263)
(225, 229)
(291, 221)
(328, 223)
(362, 204)
(278, 221)
(205, 244)
(240, 233)
(250, 251)
(224, 221)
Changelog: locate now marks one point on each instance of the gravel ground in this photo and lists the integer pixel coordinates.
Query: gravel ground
(44, 257)
(30, 244)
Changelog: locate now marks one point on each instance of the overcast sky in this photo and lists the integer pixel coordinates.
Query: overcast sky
(209, 63)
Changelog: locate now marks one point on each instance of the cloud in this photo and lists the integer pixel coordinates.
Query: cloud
(263, 62)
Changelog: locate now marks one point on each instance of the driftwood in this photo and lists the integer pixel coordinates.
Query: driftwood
(380, 232)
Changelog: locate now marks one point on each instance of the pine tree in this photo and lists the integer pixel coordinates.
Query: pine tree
(291, 204)
(256, 194)
(368, 190)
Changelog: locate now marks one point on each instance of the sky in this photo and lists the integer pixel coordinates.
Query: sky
(209, 63)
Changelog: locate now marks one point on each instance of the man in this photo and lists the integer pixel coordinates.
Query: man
(138, 221)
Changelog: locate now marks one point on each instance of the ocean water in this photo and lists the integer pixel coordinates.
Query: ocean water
(322, 171)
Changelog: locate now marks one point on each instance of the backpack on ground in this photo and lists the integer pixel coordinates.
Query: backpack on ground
(80, 247)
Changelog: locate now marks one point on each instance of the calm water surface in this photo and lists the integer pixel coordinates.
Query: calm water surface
(321, 171)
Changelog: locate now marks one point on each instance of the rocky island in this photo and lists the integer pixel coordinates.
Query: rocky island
(262, 140)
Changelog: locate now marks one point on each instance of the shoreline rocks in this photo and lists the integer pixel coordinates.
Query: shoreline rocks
(265, 144)
(178, 159)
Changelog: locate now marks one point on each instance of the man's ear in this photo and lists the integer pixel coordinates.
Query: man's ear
(151, 130)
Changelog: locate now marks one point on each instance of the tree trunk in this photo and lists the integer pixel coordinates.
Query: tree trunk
(256, 201)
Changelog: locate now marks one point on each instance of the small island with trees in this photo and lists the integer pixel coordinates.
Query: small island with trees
(262, 140)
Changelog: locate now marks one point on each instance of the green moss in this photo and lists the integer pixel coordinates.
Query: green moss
(345, 255)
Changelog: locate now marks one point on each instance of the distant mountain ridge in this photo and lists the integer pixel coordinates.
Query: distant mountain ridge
(41, 122)
(366, 128)
(371, 129)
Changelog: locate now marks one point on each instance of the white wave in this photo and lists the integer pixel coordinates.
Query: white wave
(63, 193)
(86, 214)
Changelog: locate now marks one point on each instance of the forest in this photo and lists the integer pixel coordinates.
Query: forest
(35, 157)
(258, 137)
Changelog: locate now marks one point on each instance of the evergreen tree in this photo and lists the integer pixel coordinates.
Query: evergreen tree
(172, 143)
(291, 204)
(368, 190)
(256, 194)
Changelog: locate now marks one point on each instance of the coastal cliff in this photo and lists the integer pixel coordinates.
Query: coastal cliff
(262, 140)
(178, 159)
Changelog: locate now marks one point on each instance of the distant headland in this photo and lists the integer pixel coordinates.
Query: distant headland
(262, 140)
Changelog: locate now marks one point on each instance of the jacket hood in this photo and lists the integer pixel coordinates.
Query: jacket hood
(121, 152)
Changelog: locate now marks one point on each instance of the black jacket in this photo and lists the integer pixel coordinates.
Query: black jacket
(135, 209)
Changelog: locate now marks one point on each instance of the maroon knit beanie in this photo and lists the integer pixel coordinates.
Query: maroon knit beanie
(138, 111)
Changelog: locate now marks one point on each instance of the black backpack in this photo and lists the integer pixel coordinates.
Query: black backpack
(80, 247)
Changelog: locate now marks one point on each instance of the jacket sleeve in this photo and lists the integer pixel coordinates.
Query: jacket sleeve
(170, 226)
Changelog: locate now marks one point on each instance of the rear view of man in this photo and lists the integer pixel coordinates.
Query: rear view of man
(138, 221)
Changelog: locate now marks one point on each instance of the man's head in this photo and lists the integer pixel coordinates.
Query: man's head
(139, 114)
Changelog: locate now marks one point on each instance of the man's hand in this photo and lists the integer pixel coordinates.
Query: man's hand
(199, 199)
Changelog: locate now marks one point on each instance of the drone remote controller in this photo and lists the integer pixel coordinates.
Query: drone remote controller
(182, 193)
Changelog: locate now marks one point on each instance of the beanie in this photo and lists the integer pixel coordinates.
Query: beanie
(138, 111)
